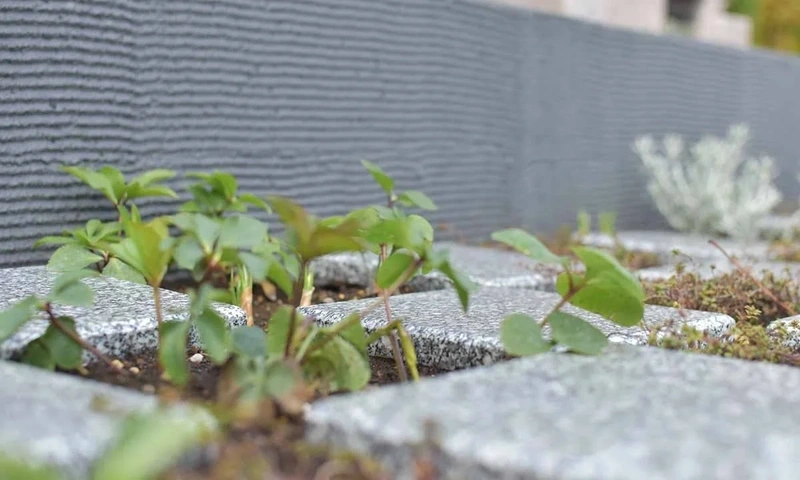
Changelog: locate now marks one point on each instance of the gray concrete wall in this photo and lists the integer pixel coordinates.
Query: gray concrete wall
(503, 116)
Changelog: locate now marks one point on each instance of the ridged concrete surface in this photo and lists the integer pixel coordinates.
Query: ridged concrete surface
(481, 106)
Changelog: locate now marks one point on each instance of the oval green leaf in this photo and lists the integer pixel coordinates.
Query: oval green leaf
(393, 269)
(173, 336)
(521, 336)
(214, 335)
(577, 334)
(527, 244)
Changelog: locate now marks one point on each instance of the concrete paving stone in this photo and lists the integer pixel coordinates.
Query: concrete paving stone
(777, 226)
(629, 414)
(485, 266)
(691, 247)
(447, 338)
(120, 323)
(786, 331)
(50, 417)
(707, 270)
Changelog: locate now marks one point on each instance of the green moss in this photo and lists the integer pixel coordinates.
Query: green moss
(735, 294)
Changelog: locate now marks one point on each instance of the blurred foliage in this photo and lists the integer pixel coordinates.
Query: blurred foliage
(776, 23)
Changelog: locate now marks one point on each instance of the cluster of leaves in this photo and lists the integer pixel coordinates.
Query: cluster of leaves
(602, 286)
(212, 235)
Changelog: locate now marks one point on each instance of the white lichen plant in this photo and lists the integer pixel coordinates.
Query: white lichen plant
(715, 189)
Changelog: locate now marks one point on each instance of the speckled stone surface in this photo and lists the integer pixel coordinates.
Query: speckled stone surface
(485, 266)
(708, 270)
(630, 414)
(777, 226)
(121, 321)
(786, 331)
(447, 338)
(691, 247)
(49, 417)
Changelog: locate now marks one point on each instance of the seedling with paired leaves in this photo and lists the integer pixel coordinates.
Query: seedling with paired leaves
(111, 183)
(400, 240)
(604, 288)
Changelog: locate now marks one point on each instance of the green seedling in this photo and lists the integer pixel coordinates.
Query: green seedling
(401, 239)
(604, 288)
(584, 223)
(216, 195)
(111, 183)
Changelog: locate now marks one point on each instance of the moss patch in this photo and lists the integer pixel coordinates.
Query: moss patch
(738, 295)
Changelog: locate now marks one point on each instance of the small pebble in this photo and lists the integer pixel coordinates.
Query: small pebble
(118, 364)
(149, 389)
(196, 358)
(135, 370)
(328, 300)
(341, 296)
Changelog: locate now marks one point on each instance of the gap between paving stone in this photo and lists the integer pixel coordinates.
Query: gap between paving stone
(447, 338)
(49, 417)
(485, 266)
(120, 323)
(629, 414)
(692, 247)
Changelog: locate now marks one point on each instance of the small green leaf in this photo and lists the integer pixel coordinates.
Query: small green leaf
(150, 177)
(384, 180)
(606, 288)
(278, 329)
(214, 336)
(353, 370)
(12, 318)
(526, 243)
(280, 379)
(278, 275)
(64, 351)
(136, 191)
(95, 180)
(117, 181)
(391, 271)
(577, 334)
(172, 350)
(325, 241)
(463, 284)
(72, 257)
(255, 201)
(69, 290)
(249, 341)
(36, 354)
(242, 232)
(149, 443)
(355, 333)
(54, 240)
(521, 335)
(414, 198)
(120, 270)
(257, 266)
(188, 253)
(294, 217)
(420, 232)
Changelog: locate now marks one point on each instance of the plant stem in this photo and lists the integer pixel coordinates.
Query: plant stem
(159, 321)
(77, 338)
(761, 286)
(395, 343)
(340, 326)
(297, 295)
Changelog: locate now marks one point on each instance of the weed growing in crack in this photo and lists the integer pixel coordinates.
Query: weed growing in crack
(604, 288)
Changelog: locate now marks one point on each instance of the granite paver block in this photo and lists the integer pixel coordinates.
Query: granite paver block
(120, 323)
(49, 417)
(691, 247)
(445, 337)
(629, 414)
(485, 266)
(707, 270)
(786, 331)
(777, 226)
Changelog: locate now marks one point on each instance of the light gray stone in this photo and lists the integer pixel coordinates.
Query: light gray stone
(52, 417)
(690, 247)
(485, 266)
(786, 331)
(120, 323)
(445, 337)
(630, 414)
(773, 227)
(707, 270)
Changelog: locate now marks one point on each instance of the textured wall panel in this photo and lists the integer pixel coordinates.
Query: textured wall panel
(503, 116)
